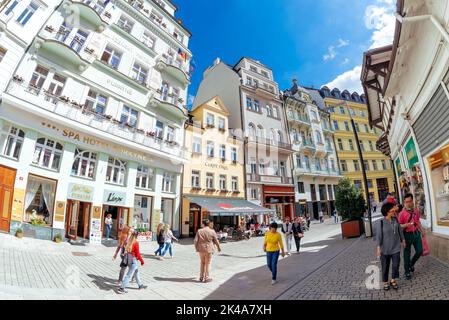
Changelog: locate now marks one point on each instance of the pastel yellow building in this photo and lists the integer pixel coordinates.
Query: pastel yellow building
(342, 106)
(213, 179)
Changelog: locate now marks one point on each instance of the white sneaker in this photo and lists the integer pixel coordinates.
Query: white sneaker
(273, 282)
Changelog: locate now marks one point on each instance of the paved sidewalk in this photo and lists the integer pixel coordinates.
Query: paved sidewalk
(327, 268)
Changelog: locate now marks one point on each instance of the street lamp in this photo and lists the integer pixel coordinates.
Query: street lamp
(362, 162)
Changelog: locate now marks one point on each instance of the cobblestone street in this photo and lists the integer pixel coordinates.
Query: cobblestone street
(327, 268)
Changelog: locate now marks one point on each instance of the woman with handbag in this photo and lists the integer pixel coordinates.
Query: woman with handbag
(132, 255)
(160, 238)
(168, 239)
(298, 233)
(124, 237)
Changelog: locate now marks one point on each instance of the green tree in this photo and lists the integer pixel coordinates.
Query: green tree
(349, 201)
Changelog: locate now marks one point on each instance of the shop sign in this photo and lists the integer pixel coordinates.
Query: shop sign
(114, 198)
(216, 166)
(60, 211)
(398, 167)
(95, 231)
(270, 179)
(410, 151)
(80, 192)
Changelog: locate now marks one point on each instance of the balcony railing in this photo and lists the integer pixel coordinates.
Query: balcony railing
(254, 177)
(299, 119)
(171, 99)
(78, 113)
(270, 142)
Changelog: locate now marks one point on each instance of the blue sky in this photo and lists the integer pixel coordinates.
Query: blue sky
(319, 42)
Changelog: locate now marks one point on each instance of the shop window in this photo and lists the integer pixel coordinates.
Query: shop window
(167, 206)
(47, 153)
(84, 164)
(39, 201)
(145, 177)
(116, 171)
(14, 142)
(142, 213)
(168, 181)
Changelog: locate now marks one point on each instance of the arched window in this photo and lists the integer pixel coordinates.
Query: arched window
(47, 153)
(318, 137)
(84, 164)
(116, 171)
(252, 130)
(14, 142)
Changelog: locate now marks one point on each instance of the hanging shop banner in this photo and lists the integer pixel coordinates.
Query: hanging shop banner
(398, 167)
(410, 151)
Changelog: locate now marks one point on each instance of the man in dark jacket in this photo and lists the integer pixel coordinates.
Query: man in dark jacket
(298, 233)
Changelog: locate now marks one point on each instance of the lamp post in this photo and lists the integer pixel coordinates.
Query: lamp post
(362, 162)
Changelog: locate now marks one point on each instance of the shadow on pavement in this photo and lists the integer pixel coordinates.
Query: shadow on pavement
(255, 284)
(104, 283)
(176, 279)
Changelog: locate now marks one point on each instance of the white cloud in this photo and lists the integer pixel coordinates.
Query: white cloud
(332, 53)
(379, 18)
(350, 80)
(345, 61)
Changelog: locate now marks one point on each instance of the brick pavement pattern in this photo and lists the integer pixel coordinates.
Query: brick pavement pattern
(327, 268)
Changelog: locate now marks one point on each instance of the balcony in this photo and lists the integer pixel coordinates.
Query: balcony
(253, 177)
(327, 129)
(265, 91)
(77, 113)
(320, 150)
(282, 146)
(308, 145)
(174, 70)
(59, 46)
(92, 12)
(329, 150)
(301, 120)
(170, 103)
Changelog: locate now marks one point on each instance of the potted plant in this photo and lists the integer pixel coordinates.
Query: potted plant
(19, 233)
(58, 238)
(350, 205)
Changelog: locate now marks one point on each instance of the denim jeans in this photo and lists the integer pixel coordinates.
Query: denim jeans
(108, 230)
(132, 270)
(168, 246)
(272, 263)
(159, 250)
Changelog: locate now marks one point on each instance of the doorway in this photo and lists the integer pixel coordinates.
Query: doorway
(382, 187)
(78, 219)
(7, 179)
(194, 219)
(119, 217)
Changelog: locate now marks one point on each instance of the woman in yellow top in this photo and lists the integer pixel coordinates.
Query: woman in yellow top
(272, 246)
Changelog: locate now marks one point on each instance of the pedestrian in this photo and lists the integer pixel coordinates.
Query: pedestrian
(160, 239)
(287, 230)
(168, 240)
(272, 246)
(321, 215)
(205, 243)
(108, 225)
(308, 220)
(298, 232)
(123, 240)
(132, 252)
(374, 207)
(335, 214)
(389, 237)
(413, 233)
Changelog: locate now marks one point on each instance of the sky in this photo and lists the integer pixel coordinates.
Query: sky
(318, 42)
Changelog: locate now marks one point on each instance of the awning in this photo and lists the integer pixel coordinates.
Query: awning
(226, 207)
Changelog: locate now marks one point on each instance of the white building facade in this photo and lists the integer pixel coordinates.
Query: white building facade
(93, 121)
(315, 160)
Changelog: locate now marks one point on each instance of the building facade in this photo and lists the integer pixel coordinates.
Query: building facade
(343, 107)
(407, 85)
(93, 121)
(252, 96)
(314, 161)
(213, 179)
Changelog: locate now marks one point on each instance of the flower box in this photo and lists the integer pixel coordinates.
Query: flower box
(18, 78)
(107, 15)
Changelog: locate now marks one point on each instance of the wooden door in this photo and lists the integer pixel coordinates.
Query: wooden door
(72, 219)
(86, 213)
(7, 179)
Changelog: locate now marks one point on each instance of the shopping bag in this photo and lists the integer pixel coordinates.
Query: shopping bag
(425, 246)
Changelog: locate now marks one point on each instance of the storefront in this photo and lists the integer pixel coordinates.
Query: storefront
(279, 199)
(78, 212)
(439, 166)
(223, 212)
(142, 215)
(409, 176)
(114, 204)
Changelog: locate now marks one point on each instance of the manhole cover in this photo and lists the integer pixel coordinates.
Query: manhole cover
(81, 254)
